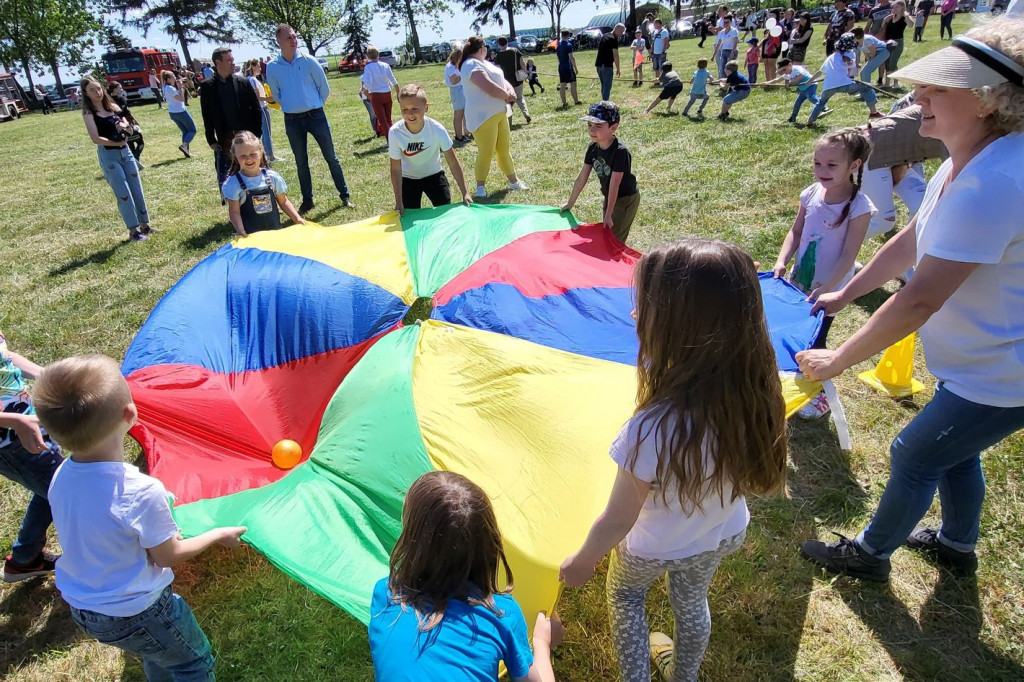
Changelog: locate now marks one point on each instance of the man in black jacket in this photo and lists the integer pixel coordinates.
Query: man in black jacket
(229, 105)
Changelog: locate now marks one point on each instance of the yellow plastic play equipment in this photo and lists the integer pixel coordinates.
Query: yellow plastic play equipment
(894, 374)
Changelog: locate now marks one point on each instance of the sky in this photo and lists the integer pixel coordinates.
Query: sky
(456, 25)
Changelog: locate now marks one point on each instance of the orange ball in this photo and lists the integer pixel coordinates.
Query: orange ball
(286, 454)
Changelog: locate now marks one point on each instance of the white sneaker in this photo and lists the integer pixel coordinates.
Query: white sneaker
(481, 191)
(275, 159)
(816, 409)
(517, 186)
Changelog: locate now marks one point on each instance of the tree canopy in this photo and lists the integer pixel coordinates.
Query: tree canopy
(318, 23)
(186, 20)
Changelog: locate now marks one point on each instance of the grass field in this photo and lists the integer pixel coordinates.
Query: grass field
(71, 284)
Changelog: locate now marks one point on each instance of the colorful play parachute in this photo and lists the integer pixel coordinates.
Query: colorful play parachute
(489, 340)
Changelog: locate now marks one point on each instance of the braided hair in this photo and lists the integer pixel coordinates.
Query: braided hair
(857, 144)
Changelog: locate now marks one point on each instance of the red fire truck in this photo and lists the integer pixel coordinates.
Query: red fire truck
(130, 67)
(11, 104)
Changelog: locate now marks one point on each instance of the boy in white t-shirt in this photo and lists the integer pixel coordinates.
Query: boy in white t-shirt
(115, 525)
(415, 145)
(796, 76)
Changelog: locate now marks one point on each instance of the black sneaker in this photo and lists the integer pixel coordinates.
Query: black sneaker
(305, 207)
(14, 573)
(926, 541)
(847, 558)
(347, 203)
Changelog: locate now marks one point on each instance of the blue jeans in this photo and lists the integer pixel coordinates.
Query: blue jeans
(721, 59)
(940, 449)
(165, 636)
(657, 60)
(605, 74)
(35, 473)
(268, 144)
(222, 163)
(373, 119)
(185, 123)
(881, 57)
(735, 96)
(122, 174)
(851, 89)
(804, 95)
(314, 123)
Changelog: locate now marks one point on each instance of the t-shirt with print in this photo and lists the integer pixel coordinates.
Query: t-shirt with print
(466, 645)
(606, 50)
(877, 15)
(700, 82)
(107, 515)
(836, 71)
(665, 529)
(615, 159)
(798, 77)
(975, 341)
(232, 189)
(838, 22)
(420, 153)
(823, 238)
(659, 41)
(14, 397)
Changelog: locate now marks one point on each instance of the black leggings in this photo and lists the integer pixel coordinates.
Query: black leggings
(946, 24)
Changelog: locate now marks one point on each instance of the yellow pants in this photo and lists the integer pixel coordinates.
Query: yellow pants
(493, 136)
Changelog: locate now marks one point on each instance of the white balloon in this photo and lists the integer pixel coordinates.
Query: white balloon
(775, 31)
(771, 23)
(785, 45)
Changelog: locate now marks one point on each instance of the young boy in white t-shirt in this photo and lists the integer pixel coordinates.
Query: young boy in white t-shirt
(415, 145)
(115, 525)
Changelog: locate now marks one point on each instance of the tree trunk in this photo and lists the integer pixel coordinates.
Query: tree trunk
(413, 33)
(28, 75)
(510, 6)
(632, 21)
(56, 78)
(179, 32)
(558, 24)
(679, 9)
(554, 26)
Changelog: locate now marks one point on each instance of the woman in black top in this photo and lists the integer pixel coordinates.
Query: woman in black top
(800, 38)
(891, 32)
(108, 128)
(135, 142)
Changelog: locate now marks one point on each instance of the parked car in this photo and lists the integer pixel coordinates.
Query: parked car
(391, 58)
(820, 15)
(528, 43)
(351, 64)
(681, 29)
(588, 37)
(323, 64)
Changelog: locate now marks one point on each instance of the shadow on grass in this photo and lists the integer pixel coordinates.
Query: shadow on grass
(168, 162)
(371, 152)
(945, 645)
(872, 301)
(219, 233)
(33, 607)
(97, 258)
(822, 481)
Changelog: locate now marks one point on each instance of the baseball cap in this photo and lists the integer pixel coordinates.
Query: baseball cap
(603, 112)
(966, 63)
(752, 40)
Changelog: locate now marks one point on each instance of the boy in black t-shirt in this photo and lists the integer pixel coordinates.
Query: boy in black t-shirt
(612, 162)
(671, 84)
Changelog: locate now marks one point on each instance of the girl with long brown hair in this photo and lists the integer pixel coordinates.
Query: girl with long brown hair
(442, 613)
(709, 430)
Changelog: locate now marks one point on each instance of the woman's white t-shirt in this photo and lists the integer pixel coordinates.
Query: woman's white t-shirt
(174, 106)
(974, 343)
(826, 236)
(257, 86)
(664, 530)
(449, 71)
(480, 106)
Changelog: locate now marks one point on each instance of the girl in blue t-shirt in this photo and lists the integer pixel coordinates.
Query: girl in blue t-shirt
(440, 614)
(255, 194)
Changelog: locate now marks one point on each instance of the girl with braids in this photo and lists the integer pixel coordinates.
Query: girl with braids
(441, 615)
(709, 430)
(830, 227)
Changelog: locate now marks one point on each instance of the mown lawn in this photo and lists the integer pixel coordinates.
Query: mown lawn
(70, 284)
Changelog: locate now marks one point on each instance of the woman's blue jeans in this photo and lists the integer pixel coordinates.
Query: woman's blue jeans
(185, 123)
(35, 473)
(881, 57)
(122, 174)
(268, 144)
(806, 95)
(940, 449)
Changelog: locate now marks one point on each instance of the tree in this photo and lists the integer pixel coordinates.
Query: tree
(405, 12)
(186, 20)
(17, 36)
(555, 9)
(356, 26)
(65, 32)
(318, 23)
(487, 11)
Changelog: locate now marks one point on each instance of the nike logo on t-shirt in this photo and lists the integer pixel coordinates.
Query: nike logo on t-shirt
(414, 148)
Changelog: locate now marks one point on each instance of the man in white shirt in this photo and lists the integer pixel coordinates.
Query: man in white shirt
(725, 44)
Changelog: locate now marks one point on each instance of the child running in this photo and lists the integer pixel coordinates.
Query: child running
(699, 88)
(255, 193)
(671, 86)
(440, 614)
(739, 89)
(709, 429)
(415, 145)
(614, 166)
(796, 76)
(830, 227)
(115, 525)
